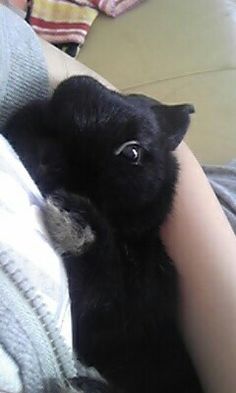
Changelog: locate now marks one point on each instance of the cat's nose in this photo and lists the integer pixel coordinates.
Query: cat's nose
(189, 108)
(185, 108)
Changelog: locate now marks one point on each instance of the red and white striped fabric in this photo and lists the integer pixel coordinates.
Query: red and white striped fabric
(109, 7)
(60, 21)
(68, 21)
(114, 7)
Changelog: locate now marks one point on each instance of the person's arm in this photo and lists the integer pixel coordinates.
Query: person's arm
(61, 66)
(202, 244)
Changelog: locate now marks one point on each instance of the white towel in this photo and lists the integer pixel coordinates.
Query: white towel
(22, 232)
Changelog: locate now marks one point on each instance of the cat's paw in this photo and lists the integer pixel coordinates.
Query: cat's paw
(65, 218)
(89, 385)
(83, 385)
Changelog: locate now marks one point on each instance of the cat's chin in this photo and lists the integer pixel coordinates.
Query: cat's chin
(132, 225)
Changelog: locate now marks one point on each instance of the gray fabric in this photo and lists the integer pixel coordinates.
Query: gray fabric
(31, 347)
(23, 74)
(223, 181)
(24, 338)
(23, 341)
(10, 373)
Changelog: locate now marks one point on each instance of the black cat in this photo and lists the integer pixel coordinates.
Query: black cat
(111, 156)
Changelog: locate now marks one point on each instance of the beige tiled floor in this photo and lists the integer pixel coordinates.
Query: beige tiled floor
(176, 50)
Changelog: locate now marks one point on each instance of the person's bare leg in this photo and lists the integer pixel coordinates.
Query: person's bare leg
(202, 244)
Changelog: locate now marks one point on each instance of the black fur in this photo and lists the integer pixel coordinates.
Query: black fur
(123, 286)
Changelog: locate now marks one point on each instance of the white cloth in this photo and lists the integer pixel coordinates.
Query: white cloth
(21, 229)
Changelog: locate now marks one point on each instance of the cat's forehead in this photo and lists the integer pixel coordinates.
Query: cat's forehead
(96, 116)
(118, 120)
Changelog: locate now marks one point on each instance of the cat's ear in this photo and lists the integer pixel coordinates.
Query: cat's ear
(173, 120)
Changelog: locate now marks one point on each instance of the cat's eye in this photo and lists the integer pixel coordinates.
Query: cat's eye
(131, 151)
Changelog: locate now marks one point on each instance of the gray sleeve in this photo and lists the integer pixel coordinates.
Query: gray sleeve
(23, 71)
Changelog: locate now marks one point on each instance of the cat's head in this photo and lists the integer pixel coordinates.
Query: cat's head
(119, 147)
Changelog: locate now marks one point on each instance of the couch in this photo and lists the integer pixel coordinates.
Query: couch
(176, 51)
